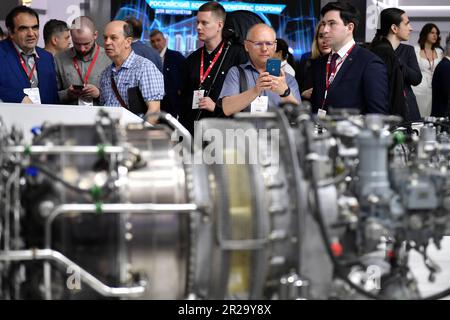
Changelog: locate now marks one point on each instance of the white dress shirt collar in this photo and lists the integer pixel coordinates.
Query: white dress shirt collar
(345, 48)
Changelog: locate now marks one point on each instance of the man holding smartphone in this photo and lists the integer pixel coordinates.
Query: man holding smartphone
(264, 89)
(79, 68)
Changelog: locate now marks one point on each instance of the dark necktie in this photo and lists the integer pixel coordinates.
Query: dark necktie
(334, 57)
(30, 60)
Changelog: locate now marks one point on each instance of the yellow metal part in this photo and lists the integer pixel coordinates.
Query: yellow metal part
(240, 204)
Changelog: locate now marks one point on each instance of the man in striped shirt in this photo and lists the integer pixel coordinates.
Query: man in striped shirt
(128, 71)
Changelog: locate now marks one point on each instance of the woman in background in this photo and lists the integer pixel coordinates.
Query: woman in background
(287, 59)
(318, 48)
(429, 53)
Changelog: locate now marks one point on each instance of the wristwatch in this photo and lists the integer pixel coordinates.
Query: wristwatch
(286, 93)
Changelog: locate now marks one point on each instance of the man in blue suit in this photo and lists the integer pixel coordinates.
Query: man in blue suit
(441, 86)
(349, 77)
(172, 66)
(139, 47)
(28, 74)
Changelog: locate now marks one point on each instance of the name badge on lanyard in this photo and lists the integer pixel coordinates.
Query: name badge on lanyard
(331, 75)
(260, 104)
(33, 94)
(198, 95)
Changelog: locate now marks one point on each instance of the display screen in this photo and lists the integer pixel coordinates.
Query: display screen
(293, 20)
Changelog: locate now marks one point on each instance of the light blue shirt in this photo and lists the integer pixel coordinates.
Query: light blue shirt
(231, 84)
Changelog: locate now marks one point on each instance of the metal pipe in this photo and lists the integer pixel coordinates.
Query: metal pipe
(106, 208)
(93, 282)
(8, 191)
(187, 138)
(64, 149)
(114, 208)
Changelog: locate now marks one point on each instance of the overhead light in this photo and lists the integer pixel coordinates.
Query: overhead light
(27, 3)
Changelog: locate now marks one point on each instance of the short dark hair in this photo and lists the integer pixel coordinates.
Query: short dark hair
(424, 35)
(54, 27)
(347, 12)
(155, 32)
(215, 7)
(9, 22)
(136, 27)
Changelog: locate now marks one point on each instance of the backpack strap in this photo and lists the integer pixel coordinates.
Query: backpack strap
(243, 86)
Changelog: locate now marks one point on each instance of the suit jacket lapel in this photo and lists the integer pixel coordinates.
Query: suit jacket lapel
(344, 68)
(14, 63)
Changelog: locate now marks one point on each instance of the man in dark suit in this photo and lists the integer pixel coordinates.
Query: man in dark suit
(412, 76)
(350, 76)
(28, 74)
(139, 47)
(441, 86)
(172, 71)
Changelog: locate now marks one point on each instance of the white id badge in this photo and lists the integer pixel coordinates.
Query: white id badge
(33, 94)
(260, 104)
(88, 103)
(198, 94)
(321, 113)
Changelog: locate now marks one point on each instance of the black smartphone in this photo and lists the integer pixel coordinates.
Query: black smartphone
(77, 87)
(273, 67)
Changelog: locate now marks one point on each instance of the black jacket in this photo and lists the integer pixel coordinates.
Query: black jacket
(232, 56)
(441, 89)
(411, 76)
(397, 93)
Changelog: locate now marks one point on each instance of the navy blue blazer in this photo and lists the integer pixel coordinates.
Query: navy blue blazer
(173, 71)
(13, 78)
(411, 75)
(143, 50)
(441, 90)
(361, 83)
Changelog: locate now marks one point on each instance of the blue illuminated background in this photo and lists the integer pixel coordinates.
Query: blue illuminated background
(293, 20)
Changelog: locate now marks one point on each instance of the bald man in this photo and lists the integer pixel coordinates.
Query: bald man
(264, 90)
(79, 68)
(129, 74)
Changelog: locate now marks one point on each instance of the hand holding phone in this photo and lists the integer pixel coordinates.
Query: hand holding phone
(273, 67)
(77, 87)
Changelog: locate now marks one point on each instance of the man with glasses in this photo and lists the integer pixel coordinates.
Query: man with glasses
(349, 77)
(28, 72)
(205, 69)
(264, 90)
(79, 68)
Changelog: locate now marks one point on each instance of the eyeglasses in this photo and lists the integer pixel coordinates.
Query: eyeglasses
(260, 44)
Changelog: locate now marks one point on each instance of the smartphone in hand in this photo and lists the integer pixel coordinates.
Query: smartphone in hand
(273, 67)
(77, 87)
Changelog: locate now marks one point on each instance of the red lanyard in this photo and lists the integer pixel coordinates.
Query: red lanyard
(330, 77)
(91, 66)
(203, 74)
(24, 66)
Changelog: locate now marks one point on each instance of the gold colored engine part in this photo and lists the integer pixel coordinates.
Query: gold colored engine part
(240, 204)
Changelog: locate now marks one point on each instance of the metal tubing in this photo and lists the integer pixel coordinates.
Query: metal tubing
(106, 208)
(93, 282)
(64, 149)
